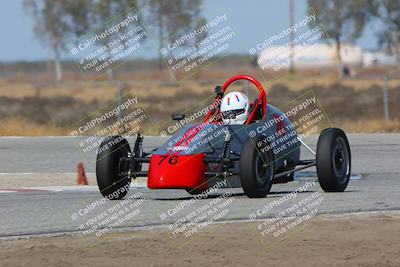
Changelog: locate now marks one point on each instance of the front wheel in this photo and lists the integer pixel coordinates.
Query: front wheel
(111, 168)
(333, 160)
(256, 167)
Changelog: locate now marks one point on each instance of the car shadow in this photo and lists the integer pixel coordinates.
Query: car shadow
(240, 194)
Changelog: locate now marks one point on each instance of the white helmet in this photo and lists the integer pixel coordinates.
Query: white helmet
(235, 108)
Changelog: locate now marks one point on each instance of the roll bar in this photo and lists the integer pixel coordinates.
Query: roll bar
(260, 101)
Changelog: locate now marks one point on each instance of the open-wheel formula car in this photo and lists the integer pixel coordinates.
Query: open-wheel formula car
(200, 155)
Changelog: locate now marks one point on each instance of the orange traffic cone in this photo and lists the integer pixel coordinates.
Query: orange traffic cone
(81, 176)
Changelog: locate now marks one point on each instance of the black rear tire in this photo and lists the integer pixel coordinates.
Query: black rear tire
(111, 183)
(256, 167)
(333, 160)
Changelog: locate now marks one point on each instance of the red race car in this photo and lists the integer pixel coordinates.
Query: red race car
(239, 144)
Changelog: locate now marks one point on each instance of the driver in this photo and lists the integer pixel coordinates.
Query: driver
(235, 108)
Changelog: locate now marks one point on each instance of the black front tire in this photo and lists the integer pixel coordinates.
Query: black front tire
(333, 160)
(111, 183)
(256, 167)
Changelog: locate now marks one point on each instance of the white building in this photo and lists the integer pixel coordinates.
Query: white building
(379, 58)
(320, 55)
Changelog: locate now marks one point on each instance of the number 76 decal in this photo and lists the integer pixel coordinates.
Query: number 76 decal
(172, 160)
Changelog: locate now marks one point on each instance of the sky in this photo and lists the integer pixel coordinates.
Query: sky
(252, 20)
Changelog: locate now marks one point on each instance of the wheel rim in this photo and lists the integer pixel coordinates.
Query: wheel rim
(341, 160)
(121, 167)
(263, 169)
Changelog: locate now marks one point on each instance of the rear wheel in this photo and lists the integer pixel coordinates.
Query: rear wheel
(112, 169)
(333, 160)
(256, 167)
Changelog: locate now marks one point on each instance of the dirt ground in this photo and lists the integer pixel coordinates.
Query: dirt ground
(364, 239)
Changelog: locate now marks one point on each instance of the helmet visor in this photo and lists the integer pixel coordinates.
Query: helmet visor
(231, 114)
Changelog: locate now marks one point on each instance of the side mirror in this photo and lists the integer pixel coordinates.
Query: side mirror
(177, 117)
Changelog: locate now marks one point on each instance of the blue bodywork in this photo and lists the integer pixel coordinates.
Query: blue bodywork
(210, 140)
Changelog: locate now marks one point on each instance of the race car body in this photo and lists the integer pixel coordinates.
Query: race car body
(253, 155)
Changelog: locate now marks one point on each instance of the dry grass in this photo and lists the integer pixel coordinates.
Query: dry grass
(46, 108)
(21, 127)
(297, 84)
(102, 90)
(105, 91)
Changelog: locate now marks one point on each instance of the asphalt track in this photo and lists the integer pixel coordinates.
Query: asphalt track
(375, 186)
